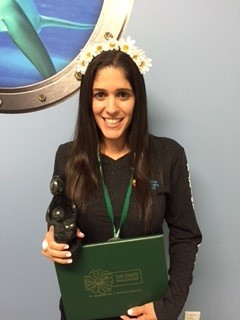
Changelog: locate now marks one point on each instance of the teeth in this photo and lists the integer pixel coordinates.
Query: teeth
(112, 121)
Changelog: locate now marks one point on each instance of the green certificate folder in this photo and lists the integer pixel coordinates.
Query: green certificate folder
(109, 278)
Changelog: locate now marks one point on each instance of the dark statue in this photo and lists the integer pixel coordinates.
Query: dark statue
(62, 214)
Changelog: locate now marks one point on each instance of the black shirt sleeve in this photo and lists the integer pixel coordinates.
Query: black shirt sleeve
(184, 238)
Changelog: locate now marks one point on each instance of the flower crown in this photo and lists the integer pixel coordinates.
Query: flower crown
(125, 45)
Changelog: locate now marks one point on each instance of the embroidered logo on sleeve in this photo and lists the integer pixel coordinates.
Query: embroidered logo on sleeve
(190, 185)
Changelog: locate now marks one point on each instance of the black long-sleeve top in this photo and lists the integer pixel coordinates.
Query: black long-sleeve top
(172, 201)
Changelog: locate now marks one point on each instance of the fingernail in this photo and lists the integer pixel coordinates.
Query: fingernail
(66, 246)
(81, 234)
(130, 312)
(69, 261)
(68, 255)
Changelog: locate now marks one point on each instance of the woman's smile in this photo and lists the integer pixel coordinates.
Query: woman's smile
(111, 121)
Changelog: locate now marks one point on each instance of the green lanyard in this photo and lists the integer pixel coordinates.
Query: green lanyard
(116, 232)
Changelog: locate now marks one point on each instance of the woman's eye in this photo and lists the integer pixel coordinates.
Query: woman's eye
(123, 95)
(99, 95)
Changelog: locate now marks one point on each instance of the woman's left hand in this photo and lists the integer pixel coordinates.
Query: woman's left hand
(144, 312)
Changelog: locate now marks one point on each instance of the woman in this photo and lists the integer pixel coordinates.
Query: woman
(111, 144)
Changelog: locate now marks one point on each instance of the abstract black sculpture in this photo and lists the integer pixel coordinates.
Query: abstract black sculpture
(62, 214)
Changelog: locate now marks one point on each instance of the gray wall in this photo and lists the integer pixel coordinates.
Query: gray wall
(194, 97)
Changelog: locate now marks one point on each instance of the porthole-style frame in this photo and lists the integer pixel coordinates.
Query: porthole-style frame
(113, 18)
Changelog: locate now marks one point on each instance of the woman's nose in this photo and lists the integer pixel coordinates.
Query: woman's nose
(111, 105)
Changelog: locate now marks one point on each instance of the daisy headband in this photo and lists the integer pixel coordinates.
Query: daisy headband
(125, 45)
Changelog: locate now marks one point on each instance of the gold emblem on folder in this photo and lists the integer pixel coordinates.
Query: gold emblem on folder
(98, 281)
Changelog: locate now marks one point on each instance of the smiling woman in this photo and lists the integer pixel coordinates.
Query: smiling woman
(124, 181)
(40, 43)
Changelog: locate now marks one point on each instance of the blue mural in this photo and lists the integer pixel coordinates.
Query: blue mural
(40, 38)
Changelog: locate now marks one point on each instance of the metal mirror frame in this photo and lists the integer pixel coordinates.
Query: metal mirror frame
(112, 20)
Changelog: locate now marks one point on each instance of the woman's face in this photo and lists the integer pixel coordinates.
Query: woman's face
(113, 103)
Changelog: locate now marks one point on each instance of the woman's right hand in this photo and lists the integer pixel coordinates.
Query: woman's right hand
(57, 252)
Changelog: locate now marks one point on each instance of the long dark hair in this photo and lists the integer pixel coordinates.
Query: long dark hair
(82, 168)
